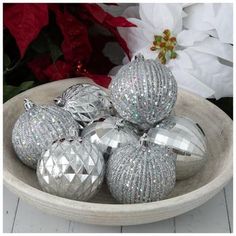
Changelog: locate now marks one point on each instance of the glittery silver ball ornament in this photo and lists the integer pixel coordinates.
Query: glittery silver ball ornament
(187, 139)
(85, 102)
(37, 128)
(109, 134)
(143, 172)
(71, 168)
(143, 92)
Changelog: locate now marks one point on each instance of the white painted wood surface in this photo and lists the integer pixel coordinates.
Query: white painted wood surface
(215, 216)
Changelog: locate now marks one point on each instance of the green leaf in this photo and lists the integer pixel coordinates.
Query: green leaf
(6, 61)
(55, 51)
(10, 91)
(40, 45)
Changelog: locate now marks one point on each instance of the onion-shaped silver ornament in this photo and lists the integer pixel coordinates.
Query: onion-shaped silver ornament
(71, 168)
(143, 172)
(109, 134)
(143, 92)
(37, 128)
(187, 139)
(85, 102)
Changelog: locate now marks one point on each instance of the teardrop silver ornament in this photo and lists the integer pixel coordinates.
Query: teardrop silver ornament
(143, 92)
(188, 141)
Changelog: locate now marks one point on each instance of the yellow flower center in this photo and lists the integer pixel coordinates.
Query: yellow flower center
(165, 46)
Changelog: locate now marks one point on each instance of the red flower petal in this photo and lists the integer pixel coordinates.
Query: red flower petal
(110, 22)
(37, 65)
(76, 46)
(24, 21)
(58, 71)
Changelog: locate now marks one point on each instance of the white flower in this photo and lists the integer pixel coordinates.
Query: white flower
(203, 64)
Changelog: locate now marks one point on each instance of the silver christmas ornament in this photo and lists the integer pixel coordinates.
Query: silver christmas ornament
(109, 134)
(85, 102)
(71, 168)
(143, 172)
(37, 128)
(187, 139)
(143, 92)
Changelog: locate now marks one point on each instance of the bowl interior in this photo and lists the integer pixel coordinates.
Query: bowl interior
(201, 111)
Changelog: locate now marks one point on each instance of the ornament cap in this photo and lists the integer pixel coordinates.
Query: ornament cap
(28, 104)
(139, 57)
(59, 101)
(143, 140)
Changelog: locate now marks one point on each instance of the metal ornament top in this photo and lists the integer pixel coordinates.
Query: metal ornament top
(85, 102)
(143, 92)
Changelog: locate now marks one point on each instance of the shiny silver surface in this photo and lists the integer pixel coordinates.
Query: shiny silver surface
(142, 172)
(72, 169)
(85, 102)
(143, 92)
(109, 134)
(37, 128)
(187, 139)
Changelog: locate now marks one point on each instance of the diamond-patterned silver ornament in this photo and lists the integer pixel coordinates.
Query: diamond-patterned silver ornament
(143, 172)
(86, 103)
(110, 134)
(143, 92)
(37, 128)
(188, 141)
(71, 168)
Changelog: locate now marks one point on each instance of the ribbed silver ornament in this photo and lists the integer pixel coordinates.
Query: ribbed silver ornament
(143, 92)
(139, 173)
(37, 128)
(86, 103)
(187, 140)
(109, 134)
(71, 168)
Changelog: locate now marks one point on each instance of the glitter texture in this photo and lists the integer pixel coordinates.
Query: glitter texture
(37, 128)
(141, 173)
(85, 102)
(144, 92)
(72, 169)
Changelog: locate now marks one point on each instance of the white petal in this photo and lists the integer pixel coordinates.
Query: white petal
(147, 53)
(214, 47)
(182, 60)
(162, 16)
(200, 17)
(224, 22)
(131, 12)
(188, 82)
(210, 71)
(137, 37)
(187, 38)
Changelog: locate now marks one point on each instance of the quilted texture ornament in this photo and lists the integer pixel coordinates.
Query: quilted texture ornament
(71, 168)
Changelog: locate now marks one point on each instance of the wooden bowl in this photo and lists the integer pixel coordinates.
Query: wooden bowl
(103, 209)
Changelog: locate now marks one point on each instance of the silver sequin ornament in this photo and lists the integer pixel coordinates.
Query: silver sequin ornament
(143, 172)
(143, 92)
(85, 102)
(187, 139)
(37, 128)
(71, 168)
(109, 134)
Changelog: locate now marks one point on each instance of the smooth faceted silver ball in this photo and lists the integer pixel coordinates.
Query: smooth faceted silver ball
(141, 173)
(37, 128)
(85, 102)
(143, 92)
(188, 141)
(71, 168)
(109, 134)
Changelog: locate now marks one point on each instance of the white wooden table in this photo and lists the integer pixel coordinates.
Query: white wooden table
(215, 216)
